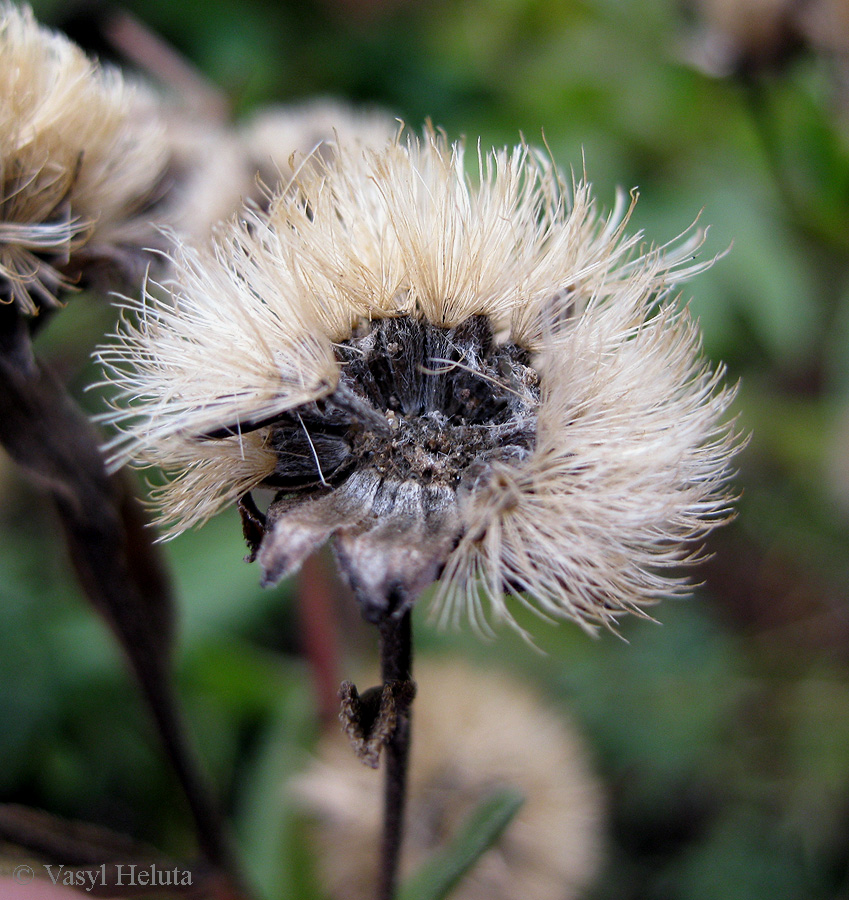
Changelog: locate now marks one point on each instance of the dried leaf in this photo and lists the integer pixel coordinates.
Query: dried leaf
(371, 718)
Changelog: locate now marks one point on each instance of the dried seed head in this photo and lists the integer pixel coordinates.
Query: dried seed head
(281, 137)
(485, 383)
(80, 154)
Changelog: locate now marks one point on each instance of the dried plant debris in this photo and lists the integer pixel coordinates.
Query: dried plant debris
(485, 382)
(370, 719)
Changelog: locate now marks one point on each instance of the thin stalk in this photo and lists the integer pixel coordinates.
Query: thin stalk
(396, 659)
(113, 557)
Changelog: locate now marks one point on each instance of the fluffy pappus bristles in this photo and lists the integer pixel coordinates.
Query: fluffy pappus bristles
(485, 380)
(205, 350)
(80, 154)
(629, 470)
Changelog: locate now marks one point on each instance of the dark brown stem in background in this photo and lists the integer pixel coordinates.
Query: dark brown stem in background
(396, 660)
(210, 828)
(158, 59)
(116, 563)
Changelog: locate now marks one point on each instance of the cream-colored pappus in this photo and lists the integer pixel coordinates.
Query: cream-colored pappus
(80, 156)
(483, 381)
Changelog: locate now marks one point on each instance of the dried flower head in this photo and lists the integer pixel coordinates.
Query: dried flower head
(278, 137)
(80, 155)
(475, 732)
(211, 175)
(217, 166)
(489, 383)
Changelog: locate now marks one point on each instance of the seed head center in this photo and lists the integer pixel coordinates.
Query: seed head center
(414, 402)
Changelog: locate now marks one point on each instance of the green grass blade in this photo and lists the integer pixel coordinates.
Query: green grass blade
(484, 826)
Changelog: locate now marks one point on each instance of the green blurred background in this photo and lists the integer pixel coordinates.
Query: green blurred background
(722, 733)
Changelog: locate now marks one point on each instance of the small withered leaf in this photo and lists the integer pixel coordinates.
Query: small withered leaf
(253, 525)
(389, 562)
(292, 532)
(371, 718)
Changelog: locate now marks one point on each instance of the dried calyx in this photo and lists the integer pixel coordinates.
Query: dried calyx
(418, 415)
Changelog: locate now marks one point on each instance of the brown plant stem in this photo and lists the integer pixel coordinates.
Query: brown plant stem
(396, 660)
(116, 563)
(210, 828)
(159, 60)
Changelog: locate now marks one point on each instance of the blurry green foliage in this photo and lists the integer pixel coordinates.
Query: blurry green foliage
(478, 833)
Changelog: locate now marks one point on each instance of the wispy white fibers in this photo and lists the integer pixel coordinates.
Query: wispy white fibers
(80, 151)
(597, 443)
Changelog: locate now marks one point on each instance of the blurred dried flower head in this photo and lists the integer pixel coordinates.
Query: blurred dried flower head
(278, 137)
(218, 166)
(745, 36)
(213, 174)
(80, 155)
(485, 382)
(475, 733)
(745, 30)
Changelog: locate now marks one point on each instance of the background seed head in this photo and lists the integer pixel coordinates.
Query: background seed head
(475, 732)
(81, 153)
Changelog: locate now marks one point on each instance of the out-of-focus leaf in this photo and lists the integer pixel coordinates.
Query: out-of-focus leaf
(53, 442)
(819, 712)
(810, 157)
(836, 342)
(482, 829)
(787, 431)
(756, 303)
(276, 856)
(744, 857)
(222, 598)
(243, 679)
